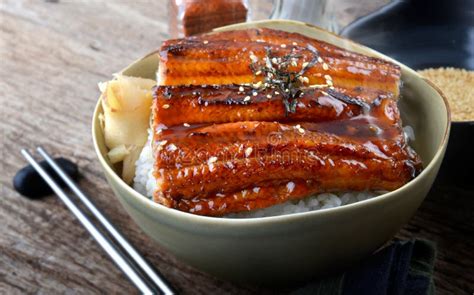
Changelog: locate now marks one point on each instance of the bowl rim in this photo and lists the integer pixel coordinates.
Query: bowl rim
(186, 217)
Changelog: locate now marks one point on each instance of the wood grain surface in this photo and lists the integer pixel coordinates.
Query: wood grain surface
(52, 54)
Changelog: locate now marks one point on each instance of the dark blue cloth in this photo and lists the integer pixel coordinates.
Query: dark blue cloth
(404, 267)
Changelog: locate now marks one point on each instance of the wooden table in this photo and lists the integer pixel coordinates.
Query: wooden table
(52, 54)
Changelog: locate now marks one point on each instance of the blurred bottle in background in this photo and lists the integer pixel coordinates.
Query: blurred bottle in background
(316, 12)
(332, 15)
(191, 17)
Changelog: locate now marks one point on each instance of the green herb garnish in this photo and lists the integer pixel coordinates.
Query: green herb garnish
(277, 75)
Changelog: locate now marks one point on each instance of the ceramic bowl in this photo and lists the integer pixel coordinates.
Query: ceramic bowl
(294, 247)
(428, 38)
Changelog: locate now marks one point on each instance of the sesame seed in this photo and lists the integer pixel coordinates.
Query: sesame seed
(166, 106)
(276, 92)
(305, 80)
(290, 186)
(283, 45)
(248, 151)
(205, 42)
(327, 77)
(298, 127)
(325, 66)
(305, 64)
(274, 60)
(171, 148)
(253, 57)
(320, 60)
(163, 142)
(241, 89)
(212, 160)
(258, 73)
(318, 85)
(247, 98)
(186, 125)
(257, 85)
(254, 93)
(211, 166)
(295, 44)
(373, 128)
(293, 63)
(325, 93)
(329, 82)
(229, 165)
(269, 96)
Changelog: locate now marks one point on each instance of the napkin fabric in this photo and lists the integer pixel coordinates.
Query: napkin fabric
(404, 267)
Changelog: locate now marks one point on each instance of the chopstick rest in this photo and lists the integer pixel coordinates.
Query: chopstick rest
(29, 183)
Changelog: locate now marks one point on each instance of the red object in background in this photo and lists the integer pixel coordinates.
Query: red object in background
(190, 17)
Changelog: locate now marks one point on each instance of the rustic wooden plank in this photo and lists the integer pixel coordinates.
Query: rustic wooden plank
(50, 68)
(446, 218)
(52, 55)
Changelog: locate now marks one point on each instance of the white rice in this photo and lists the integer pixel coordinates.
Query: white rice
(311, 203)
(145, 183)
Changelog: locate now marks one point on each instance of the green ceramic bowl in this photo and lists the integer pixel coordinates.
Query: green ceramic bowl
(299, 246)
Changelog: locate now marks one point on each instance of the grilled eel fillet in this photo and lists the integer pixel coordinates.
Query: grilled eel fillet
(228, 147)
(226, 103)
(223, 58)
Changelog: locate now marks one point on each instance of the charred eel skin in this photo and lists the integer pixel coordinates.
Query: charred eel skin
(223, 58)
(223, 145)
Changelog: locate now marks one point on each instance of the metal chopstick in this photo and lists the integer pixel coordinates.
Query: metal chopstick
(103, 242)
(106, 244)
(144, 266)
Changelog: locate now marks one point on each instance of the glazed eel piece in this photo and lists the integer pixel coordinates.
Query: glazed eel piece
(223, 58)
(222, 145)
(232, 103)
(205, 162)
